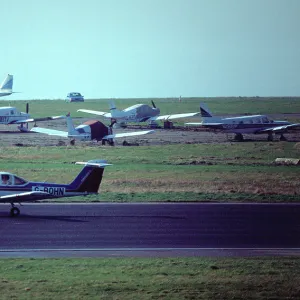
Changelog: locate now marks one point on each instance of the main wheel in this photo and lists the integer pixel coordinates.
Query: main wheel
(14, 212)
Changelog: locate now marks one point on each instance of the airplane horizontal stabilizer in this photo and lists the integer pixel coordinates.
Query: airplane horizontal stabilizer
(94, 163)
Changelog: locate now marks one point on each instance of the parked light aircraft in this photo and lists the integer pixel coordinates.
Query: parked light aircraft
(14, 189)
(253, 124)
(6, 86)
(90, 130)
(11, 115)
(136, 113)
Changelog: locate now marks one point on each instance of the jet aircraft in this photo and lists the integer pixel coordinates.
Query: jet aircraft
(136, 113)
(14, 189)
(6, 86)
(90, 130)
(252, 124)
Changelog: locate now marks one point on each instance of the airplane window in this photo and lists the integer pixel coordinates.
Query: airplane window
(11, 112)
(19, 181)
(80, 130)
(5, 179)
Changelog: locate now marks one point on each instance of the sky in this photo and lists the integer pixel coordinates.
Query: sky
(151, 48)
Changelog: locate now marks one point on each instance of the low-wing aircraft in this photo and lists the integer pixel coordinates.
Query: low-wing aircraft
(88, 131)
(6, 86)
(14, 189)
(252, 124)
(136, 113)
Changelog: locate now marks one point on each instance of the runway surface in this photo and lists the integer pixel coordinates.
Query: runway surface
(55, 230)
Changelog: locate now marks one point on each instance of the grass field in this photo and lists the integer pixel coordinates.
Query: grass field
(137, 278)
(199, 172)
(220, 106)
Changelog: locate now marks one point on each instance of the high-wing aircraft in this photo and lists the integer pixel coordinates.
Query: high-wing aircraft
(11, 115)
(90, 130)
(14, 189)
(136, 113)
(6, 86)
(252, 124)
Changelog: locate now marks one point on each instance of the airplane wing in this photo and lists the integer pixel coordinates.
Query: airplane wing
(205, 124)
(50, 131)
(39, 119)
(25, 197)
(176, 116)
(283, 128)
(126, 134)
(95, 112)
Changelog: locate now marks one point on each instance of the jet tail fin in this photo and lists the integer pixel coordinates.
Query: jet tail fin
(90, 177)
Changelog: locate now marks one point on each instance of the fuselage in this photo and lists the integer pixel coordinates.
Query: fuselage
(5, 92)
(135, 113)
(244, 124)
(9, 115)
(17, 185)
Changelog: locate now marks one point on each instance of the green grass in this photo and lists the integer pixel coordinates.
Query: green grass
(137, 278)
(200, 172)
(220, 105)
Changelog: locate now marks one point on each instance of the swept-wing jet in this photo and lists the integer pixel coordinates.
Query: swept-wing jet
(136, 113)
(6, 86)
(11, 115)
(252, 124)
(14, 189)
(90, 130)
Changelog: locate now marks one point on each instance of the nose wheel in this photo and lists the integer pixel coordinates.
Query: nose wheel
(14, 211)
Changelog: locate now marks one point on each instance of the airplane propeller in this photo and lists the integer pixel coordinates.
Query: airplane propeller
(153, 104)
(27, 111)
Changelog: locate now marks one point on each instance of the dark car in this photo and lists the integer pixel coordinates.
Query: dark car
(74, 97)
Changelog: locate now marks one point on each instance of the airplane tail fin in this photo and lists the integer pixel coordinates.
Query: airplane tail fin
(7, 83)
(90, 177)
(115, 113)
(206, 115)
(204, 111)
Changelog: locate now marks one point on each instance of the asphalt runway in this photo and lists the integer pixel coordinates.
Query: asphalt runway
(151, 230)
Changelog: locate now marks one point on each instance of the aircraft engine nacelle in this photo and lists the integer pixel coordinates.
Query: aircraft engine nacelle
(98, 129)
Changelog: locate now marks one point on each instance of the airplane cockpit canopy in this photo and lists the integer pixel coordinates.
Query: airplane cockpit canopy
(11, 179)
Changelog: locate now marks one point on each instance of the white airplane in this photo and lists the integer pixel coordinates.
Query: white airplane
(6, 86)
(90, 130)
(253, 124)
(136, 113)
(11, 115)
(14, 189)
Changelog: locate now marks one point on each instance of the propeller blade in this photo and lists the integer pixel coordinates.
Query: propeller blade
(27, 108)
(154, 106)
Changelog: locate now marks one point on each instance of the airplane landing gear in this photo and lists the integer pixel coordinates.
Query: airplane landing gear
(282, 138)
(238, 137)
(14, 211)
(270, 137)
